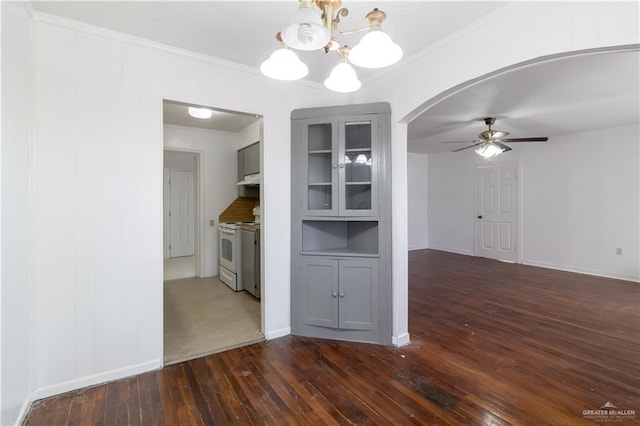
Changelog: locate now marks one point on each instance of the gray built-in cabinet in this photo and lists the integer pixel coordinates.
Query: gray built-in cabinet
(341, 223)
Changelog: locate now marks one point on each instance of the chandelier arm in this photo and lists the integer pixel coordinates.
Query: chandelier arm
(357, 30)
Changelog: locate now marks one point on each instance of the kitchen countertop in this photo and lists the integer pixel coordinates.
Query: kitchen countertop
(255, 227)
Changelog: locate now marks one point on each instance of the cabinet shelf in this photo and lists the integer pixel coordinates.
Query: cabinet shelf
(319, 183)
(353, 238)
(320, 151)
(357, 150)
(341, 252)
(358, 183)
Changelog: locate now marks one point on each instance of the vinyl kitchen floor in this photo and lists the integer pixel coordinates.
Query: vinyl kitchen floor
(203, 316)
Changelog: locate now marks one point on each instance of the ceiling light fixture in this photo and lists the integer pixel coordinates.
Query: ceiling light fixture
(489, 149)
(284, 64)
(202, 113)
(313, 27)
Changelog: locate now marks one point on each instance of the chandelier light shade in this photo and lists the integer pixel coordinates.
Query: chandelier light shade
(314, 26)
(284, 64)
(343, 77)
(375, 50)
(489, 149)
(306, 30)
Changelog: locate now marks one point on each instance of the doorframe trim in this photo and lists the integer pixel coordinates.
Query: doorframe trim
(519, 204)
(199, 207)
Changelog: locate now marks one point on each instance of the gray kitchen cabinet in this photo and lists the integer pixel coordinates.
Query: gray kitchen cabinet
(248, 164)
(251, 159)
(341, 223)
(340, 293)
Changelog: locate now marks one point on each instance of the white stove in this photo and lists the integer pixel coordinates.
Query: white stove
(230, 270)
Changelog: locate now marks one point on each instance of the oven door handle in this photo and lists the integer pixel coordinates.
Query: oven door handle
(227, 231)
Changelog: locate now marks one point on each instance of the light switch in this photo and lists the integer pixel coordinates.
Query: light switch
(212, 222)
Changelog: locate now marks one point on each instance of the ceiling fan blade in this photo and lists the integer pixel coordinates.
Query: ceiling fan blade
(467, 147)
(460, 141)
(536, 139)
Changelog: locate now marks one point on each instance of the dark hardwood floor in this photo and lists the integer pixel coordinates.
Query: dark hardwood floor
(492, 344)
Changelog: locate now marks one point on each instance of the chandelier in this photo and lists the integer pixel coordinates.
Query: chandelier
(313, 27)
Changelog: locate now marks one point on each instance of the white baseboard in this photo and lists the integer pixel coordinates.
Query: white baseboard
(400, 340)
(411, 248)
(95, 379)
(580, 271)
(274, 334)
(453, 250)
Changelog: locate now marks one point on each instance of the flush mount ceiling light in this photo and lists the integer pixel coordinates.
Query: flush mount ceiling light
(202, 113)
(313, 27)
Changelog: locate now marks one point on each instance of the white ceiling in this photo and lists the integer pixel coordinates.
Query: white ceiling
(244, 31)
(550, 99)
(227, 121)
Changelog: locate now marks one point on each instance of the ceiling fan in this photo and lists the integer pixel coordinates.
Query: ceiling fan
(491, 141)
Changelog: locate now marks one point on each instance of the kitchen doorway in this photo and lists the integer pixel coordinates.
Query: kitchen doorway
(203, 315)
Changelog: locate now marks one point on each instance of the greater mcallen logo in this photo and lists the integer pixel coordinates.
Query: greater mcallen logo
(609, 413)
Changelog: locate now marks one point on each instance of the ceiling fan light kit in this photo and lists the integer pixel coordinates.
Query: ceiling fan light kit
(491, 141)
(313, 27)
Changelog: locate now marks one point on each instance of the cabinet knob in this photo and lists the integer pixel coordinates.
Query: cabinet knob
(342, 295)
(342, 165)
(334, 294)
(335, 166)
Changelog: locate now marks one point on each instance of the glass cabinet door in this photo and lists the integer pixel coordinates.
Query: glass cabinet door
(358, 162)
(320, 141)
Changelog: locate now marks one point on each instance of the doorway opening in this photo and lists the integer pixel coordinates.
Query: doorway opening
(202, 160)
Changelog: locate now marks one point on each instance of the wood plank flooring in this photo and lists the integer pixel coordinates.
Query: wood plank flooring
(492, 343)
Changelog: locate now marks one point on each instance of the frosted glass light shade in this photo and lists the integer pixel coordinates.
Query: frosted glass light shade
(283, 64)
(305, 30)
(488, 150)
(375, 50)
(203, 113)
(343, 79)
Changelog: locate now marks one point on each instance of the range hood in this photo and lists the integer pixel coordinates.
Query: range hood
(253, 179)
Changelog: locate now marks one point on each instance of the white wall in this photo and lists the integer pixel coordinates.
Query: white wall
(417, 200)
(15, 292)
(579, 202)
(219, 166)
(250, 134)
(98, 193)
(534, 29)
(450, 201)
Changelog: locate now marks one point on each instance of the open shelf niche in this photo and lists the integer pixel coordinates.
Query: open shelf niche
(340, 237)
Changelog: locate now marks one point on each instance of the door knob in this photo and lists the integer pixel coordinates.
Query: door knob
(479, 217)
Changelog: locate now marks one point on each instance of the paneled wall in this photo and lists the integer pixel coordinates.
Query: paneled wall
(98, 194)
(15, 291)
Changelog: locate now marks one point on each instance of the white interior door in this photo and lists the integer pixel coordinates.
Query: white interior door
(181, 214)
(497, 207)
